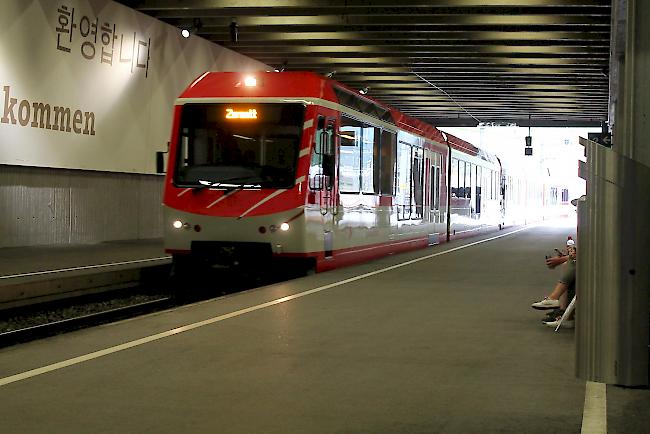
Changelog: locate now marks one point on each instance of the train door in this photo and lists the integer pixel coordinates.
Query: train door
(434, 203)
(426, 187)
(479, 184)
(417, 166)
(322, 177)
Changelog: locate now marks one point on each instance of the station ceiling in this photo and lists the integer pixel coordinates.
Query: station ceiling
(454, 62)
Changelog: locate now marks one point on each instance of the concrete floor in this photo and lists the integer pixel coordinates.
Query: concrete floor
(447, 344)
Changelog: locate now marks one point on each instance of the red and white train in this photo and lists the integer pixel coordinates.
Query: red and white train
(294, 165)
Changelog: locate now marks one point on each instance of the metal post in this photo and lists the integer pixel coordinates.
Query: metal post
(613, 272)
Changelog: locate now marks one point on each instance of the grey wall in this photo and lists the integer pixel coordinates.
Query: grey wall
(59, 206)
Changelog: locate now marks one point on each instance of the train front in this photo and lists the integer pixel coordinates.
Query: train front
(235, 186)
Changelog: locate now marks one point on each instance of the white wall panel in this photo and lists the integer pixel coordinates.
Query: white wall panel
(123, 108)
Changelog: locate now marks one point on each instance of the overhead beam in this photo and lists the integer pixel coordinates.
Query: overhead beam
(210, 4)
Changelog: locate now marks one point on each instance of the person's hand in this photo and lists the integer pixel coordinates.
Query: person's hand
(554, 261)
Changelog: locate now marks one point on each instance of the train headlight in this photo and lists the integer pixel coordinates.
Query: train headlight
(284, 227)
(177, 224)
(250, 81)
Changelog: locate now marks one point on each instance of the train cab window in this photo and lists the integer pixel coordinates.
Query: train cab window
(239, 145)
(351, 133)
(387, 158)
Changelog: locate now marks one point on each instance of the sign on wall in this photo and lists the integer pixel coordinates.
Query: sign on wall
(90, 84)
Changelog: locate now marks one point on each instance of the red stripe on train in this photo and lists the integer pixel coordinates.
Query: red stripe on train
(354, 255)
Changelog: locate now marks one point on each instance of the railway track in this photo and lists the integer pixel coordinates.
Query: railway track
(29, 323)
(26, 326)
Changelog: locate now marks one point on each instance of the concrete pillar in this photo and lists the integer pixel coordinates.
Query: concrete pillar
(613, 220)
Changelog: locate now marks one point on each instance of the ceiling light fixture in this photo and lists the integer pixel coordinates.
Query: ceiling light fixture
(194, 28)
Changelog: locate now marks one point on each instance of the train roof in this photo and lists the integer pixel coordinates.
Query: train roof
(303, 84)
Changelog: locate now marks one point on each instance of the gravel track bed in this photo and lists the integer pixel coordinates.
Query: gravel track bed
(17, 319)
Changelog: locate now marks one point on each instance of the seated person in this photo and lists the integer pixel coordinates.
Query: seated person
(566, 282)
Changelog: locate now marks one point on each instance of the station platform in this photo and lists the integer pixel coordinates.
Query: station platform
(441, 340)
(44, 273)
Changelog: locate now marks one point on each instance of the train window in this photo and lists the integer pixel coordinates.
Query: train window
(488, 183)
(477, 189)
(329, 159)
(417, 173)
(461, 179)
(403, 181)
(565, 195)
(454, 177)
(350, 155)
(320, 145)
(387, 158)
(469, 168)
(376, 157)
(369, 159)
(436, 159)
(435, 187)
(493, 185)
(316, 165)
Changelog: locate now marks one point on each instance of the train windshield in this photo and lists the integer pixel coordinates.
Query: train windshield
(239, 145)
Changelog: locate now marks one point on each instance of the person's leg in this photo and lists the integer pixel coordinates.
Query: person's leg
(559, 290)
(552, 300)
(564, 300)
(568, 279)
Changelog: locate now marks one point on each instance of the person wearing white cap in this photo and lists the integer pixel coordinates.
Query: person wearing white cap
(552, 301)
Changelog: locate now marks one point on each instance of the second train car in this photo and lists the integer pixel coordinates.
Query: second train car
(296, 166)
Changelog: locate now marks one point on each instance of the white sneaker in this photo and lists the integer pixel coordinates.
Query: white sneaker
(566, 324)
(547, 303)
